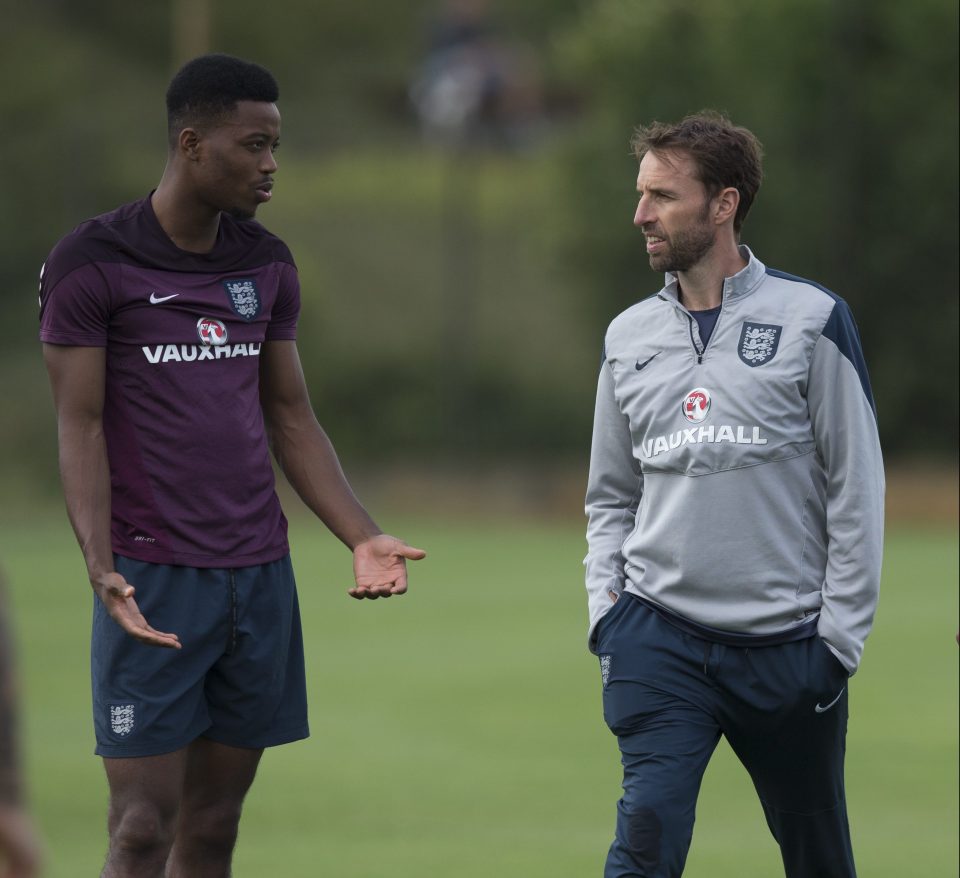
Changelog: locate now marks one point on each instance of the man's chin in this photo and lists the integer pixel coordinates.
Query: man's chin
(659, 264)
(241, 213)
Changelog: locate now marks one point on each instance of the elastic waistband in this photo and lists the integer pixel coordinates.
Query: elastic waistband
(807, 628)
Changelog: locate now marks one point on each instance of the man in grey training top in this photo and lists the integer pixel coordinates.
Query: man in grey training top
(735, 518)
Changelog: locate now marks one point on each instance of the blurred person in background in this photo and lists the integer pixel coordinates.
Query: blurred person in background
(169, 328)
(474, 85)
(19, 847)
(735, 518)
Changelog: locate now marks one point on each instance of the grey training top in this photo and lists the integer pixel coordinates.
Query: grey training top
(740, 484)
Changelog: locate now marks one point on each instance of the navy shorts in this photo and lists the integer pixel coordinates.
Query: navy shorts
(238, 678)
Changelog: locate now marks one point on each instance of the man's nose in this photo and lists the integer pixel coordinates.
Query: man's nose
(643, 215)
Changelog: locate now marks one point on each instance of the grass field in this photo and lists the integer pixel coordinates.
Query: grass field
(456, 733)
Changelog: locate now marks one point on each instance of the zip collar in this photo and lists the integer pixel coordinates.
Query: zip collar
(737, 287)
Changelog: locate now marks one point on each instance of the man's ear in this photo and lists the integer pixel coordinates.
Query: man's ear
(727, 202)
(189, 143)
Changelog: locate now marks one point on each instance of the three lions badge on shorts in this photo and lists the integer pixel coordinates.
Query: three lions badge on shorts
(123, 719)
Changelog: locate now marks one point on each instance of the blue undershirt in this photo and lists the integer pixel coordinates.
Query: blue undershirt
(706, 320)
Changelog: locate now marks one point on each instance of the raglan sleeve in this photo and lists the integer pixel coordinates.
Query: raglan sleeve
(614, 487)
(75, 298)
(286, 310)
(844, 421)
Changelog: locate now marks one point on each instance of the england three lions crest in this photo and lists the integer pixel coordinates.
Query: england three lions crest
(122, 719)
(758, 343)
(243, 295)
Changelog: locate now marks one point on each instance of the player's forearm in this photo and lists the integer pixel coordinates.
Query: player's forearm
(85, 475)
(310, 463)
(10, 786)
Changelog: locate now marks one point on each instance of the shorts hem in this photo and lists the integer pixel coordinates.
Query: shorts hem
(133, 751)
(286, 736)
(275, 739)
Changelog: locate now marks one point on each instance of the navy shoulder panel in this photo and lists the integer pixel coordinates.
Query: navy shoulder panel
(802, 280)
(842, 330)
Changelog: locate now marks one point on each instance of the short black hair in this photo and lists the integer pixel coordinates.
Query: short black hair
(207, 88)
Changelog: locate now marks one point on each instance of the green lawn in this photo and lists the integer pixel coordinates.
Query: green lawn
(457, 731)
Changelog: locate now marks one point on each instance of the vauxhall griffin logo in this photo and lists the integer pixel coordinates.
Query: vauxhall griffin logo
(695, 407)
(696, 404)
(211, 331)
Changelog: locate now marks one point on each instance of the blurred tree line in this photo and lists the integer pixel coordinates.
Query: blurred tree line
(455, 294)
(856, 103)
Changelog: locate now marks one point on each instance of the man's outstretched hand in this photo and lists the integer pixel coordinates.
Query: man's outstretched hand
(116, 594)
(380, 567)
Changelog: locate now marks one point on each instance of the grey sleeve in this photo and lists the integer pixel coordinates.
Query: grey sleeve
(845, 429)
(614, 487)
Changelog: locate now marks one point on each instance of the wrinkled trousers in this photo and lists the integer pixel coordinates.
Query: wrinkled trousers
(668, 696)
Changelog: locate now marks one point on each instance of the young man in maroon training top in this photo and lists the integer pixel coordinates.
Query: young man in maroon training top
(169, 331)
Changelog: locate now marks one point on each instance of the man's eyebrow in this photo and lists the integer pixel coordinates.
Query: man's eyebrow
(261, 135)
(656, 190)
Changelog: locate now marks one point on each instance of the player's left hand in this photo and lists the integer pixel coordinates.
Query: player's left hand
(380, 567)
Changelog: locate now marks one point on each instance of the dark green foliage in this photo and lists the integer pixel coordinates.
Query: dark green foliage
(856, 104)
(465, 301)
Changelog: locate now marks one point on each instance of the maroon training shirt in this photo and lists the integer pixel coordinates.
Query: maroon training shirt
(192, 481)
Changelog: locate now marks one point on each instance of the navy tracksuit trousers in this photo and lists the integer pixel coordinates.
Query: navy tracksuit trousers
(668, 696)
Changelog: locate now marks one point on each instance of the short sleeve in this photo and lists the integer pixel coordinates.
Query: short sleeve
(74, 298)
(286, 310)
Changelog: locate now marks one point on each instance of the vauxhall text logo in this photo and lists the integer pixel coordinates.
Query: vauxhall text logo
(695, 406)
(188, 353)
(214, 345)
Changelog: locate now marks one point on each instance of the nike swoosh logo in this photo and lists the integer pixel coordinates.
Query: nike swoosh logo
(820, 709)
(156, 300)
(646, 363)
